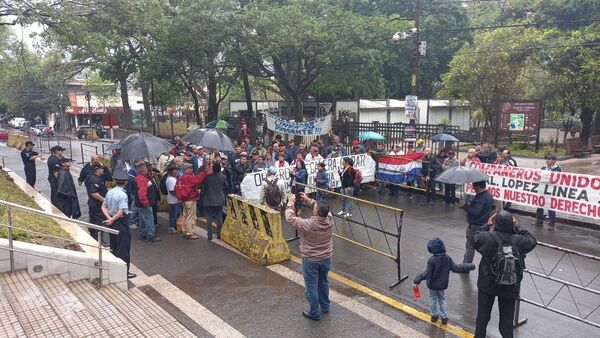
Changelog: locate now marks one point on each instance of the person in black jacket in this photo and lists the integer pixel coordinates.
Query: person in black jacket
(347, 175)
(478, 210)
(431, 168)
(437, 275)
(508, 232)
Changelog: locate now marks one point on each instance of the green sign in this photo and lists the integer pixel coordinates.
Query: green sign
(517, 122)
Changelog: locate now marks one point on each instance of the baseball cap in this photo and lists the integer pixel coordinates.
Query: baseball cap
(57, 148)
(272, 170)
(29, 143)
(550, 157)
(355, 142)
(187, 165)
(65, 159)
(451, 153)
(199, 147)
(420, 141)
(244, 154)
(96, 166)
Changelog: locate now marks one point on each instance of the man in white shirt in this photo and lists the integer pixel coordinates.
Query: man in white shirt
(313, 155)
(396, 150)
(172, 201)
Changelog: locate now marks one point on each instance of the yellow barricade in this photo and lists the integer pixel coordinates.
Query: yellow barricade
(12, 141)
(255, 230)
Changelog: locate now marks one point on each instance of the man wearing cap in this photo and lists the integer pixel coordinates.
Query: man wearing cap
(87, 170)
(291, 152)
(198, 159)
(260, 165)
(550, 166)
(96, 191)
(420, 146)
(450, 189)
(146, 195)
(66, 192)
(269, 179)
(253, 158)
(189, 184)
(54, 167)
(262, 151)
(28, 155)
(479, 209)
(313, 155)
(116, 210)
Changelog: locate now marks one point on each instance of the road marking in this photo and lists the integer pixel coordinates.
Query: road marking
(456, 330)
(372, 315)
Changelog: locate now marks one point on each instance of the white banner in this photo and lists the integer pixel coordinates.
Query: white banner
(252, 183)
(317, 127)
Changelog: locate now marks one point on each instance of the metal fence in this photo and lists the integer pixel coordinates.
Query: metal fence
(87, 150)
(45, 143)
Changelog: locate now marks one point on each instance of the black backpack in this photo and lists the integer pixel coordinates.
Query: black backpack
(507, 265)
(162, 186)
(273, 194)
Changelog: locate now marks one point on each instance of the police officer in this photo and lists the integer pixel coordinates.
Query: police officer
(28, 155)
(87, 170)
(54, 167)
(96, 191)
(116, 211)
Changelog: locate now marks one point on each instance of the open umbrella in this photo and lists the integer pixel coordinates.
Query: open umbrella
(219, 124)
(210, 138)
(143, 145)
(370, 135)
(444, 138)
(461, 175)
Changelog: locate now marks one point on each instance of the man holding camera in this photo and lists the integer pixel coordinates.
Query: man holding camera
(316, 247)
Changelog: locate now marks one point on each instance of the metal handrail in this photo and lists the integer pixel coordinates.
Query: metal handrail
(11, 249)
(67, 241)
(3, 156)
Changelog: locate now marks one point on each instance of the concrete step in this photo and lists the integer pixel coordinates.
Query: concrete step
(112, 319)
(9, 323)
(77, 317)
(32, 310)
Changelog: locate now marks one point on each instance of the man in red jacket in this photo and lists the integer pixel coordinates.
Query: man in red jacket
(146, 195)
(186, 190)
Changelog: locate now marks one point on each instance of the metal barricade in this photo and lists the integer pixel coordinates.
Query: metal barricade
(565, 274)
(45, 143)
(87, 150)
(12, 207)
(374, 227)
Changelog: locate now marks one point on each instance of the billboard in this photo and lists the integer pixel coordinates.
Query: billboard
(519, 116)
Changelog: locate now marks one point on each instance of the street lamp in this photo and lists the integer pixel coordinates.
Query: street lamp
(88, 98)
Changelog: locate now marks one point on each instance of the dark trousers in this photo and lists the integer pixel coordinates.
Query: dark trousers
(174, 211)
(120, 245)
(431, 194)
(450, 193)
(155, 213)
(506, 307)
(470, 244)
(30, 175)
(54, 193)
(214, 214)
(96, 217)
(551, 216)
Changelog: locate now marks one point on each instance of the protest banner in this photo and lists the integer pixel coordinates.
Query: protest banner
(570, 193)
(252, 183)
(320, 126)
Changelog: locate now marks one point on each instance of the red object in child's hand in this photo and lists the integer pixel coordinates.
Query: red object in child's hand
(416, 291)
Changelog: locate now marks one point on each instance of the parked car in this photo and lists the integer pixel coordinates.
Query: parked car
(3, 134)
(42, 130)
(16, 122)
(25, 126)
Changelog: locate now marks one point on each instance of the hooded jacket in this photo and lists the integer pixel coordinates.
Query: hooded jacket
(485, 244)
(439, 266)
(316, 241)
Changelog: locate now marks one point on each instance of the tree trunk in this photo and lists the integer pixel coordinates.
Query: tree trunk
(213, 108)
(126, 116)
(247, 92)
(146, 101)
(596, 126)
(587, 115)
(196, 109)
(297, 113)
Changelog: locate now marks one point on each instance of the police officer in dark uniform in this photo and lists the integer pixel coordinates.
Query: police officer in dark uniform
(96, 191)
(54, 167)
(28, 155)
(116, 211)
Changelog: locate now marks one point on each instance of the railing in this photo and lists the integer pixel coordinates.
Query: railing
(10, 228)
(45, 143)
(554, 270)
(3, 156)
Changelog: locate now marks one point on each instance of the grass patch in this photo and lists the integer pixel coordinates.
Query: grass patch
(527, 149)
(10, 192)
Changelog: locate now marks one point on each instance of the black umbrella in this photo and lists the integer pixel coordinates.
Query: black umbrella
(210, 138)
(461, 175)
(143, 145)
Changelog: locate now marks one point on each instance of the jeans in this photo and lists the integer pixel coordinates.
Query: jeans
(316, 285)
(321, 195)
(347, 202)
(551, 216)
(438, 297)
(134, 218)
(174, 211)
(214, 214)
(146, 220)
(506, 307)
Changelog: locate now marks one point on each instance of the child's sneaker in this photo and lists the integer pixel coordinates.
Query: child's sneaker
(434, 319)
(444, 321)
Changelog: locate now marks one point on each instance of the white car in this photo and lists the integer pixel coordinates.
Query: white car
(16, 122)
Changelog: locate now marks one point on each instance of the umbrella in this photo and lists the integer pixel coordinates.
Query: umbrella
(461, 175)
(370, 135)
(143, 145)
(444, 138)
(210, 138)
(114, 146)
(193, 127)
(219, 124)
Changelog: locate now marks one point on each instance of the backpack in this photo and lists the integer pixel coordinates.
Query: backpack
(184, 192)
(507, 265)
(273, 194)
(162, 186)
(357, 177)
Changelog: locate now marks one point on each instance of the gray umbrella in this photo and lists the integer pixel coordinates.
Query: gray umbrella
(461, 175)
(210, 138)
(143, 145)
(444, 138)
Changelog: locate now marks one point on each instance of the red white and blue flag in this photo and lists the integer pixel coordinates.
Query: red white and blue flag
(400, 169)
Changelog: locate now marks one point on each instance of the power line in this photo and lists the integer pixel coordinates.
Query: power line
(529, 48)
(537, 24)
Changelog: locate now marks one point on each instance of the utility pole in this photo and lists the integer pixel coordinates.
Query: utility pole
(414, 61)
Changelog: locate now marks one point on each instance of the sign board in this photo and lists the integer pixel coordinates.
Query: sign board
(409, 133)
(319, 126)
(521, 116)
(410, 110)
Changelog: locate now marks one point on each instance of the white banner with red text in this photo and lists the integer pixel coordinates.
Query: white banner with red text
(570, 193)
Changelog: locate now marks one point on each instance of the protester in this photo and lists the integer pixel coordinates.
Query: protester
(291, 152)
(145, 197)
(487, 155)
(214, 186)
(443, 155)
(281, 162)
(96, 191)
(396, 151)
(478, 212)
(347, 176)
(335, 152)
(259, 147)
(437, 276)
(550, 166)
(450, 189)
(272, 190)
(198, 159)
(431, 168)
(172, 201)
(499, 275)
(87, 170)
(66, 192)
(133, 217)
(316, 248)
(163, 161)
(115, 209)
(313, 155)
(240, 170)
(420, 146)
(28, 156)
(269, 162)
(298, 174)
(511, 160)
(322, 182)
(155, 187)
(260, 164)
(186, 190)
(54, 166)
(253, 160)
(470, 159)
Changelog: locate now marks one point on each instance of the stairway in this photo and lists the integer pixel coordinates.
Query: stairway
(48, 307)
